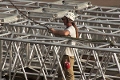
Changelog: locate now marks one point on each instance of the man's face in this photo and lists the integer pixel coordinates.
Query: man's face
(64, 19)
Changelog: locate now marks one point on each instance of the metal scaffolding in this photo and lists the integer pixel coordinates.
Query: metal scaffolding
(28, 49)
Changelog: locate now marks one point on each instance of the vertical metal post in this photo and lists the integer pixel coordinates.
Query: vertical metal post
(1, 59)
(27, 53)
(117, 61)
(10, 61)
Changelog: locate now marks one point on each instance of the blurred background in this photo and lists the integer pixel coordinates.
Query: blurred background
(112, 3)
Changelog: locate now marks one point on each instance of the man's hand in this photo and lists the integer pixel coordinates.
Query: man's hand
(52, 30)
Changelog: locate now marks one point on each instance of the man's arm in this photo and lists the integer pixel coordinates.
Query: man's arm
(60, 32)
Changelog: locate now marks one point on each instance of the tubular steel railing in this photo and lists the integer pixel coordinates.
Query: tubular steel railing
(28, 49)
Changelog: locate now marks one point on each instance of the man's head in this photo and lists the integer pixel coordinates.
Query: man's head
(68, 18)
(70, 15)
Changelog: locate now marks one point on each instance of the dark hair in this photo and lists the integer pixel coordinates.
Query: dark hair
(77, 34)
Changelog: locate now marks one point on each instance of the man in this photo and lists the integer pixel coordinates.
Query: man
(68, 57)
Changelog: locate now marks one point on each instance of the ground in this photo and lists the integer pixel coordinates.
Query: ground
(113, 3)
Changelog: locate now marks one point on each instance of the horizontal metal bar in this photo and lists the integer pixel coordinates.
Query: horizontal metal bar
(102, 12)
(99, 33)
(99, 17)
(62, 45)
(107, 7)
(98, 22)
(80, 31)
(18, 5)
(59, 25)
(5, 34)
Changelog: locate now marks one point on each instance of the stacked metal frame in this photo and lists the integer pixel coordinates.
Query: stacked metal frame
(28, 49)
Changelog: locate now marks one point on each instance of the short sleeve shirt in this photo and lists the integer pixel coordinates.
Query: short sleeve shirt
(69, 51)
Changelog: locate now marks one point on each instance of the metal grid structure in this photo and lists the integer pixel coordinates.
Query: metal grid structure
(28, 49)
